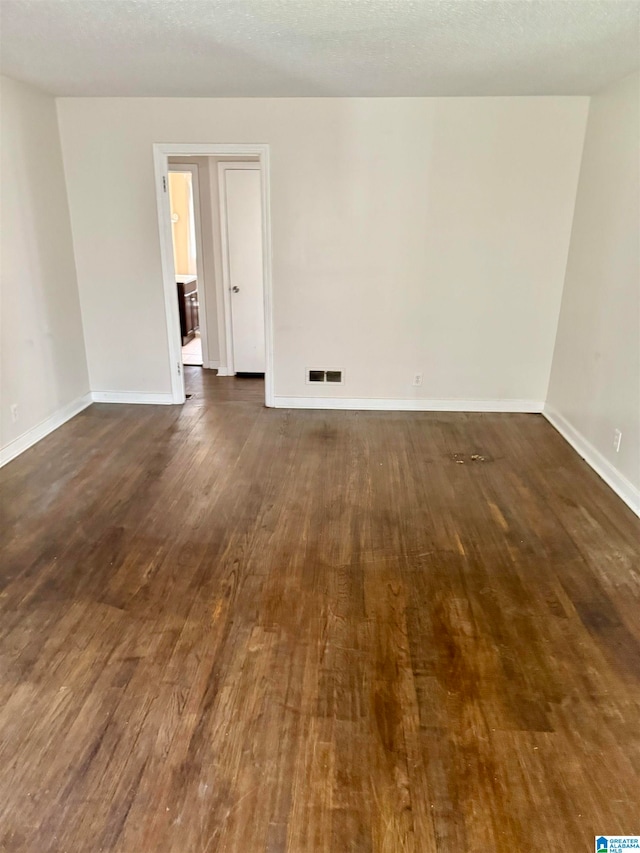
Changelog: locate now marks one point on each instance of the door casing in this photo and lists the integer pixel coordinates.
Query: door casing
(161, 153)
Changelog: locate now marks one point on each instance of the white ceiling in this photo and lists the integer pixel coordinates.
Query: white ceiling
(261, 48)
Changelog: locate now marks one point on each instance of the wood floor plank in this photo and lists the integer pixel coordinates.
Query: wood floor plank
(229, 628)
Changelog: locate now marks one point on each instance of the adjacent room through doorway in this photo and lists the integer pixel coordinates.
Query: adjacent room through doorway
(215, 205)
(182, 180)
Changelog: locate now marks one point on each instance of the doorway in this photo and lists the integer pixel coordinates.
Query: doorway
(187, 240)
(241, 303)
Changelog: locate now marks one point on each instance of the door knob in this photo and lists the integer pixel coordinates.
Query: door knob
(235, 289)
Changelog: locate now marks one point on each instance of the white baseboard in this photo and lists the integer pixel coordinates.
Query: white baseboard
(413, 405)
(623, 487)
(223, 370)
(38, 432)
(132, 397)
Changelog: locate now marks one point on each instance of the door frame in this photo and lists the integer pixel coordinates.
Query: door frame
(161, 153)
(224, 243)
(200, 273)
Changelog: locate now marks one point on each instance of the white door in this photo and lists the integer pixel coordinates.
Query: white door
(243, 209)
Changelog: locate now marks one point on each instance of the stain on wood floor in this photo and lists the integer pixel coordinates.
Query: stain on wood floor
(227, 628)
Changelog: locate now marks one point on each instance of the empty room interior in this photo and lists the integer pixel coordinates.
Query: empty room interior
(320, 426)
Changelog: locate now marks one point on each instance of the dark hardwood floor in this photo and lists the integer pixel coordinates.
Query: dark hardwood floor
(228, 628)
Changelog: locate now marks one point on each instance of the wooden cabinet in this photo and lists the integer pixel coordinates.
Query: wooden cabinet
(188, 306)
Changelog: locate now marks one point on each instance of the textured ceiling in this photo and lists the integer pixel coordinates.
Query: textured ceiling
(226, 48)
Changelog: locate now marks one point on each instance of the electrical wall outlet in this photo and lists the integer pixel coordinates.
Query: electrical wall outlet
(417, 379)
(617, 438)
(14, 412)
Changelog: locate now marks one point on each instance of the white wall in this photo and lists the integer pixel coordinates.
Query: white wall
(408, 235)
(595, 380)
(43, 366)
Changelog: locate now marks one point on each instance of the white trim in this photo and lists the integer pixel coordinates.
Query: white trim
(385, 404)
(269, 375)
(623, 487)
(41, 430)
(226, 273)
(210, 149)
(172, 316)
(201, 276)
(132, 397)
(161, 152)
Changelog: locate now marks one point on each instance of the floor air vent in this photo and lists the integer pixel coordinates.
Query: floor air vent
(332, 376)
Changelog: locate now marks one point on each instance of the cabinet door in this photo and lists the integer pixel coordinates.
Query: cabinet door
(182, 309)
(195, 311)
(188, 313)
